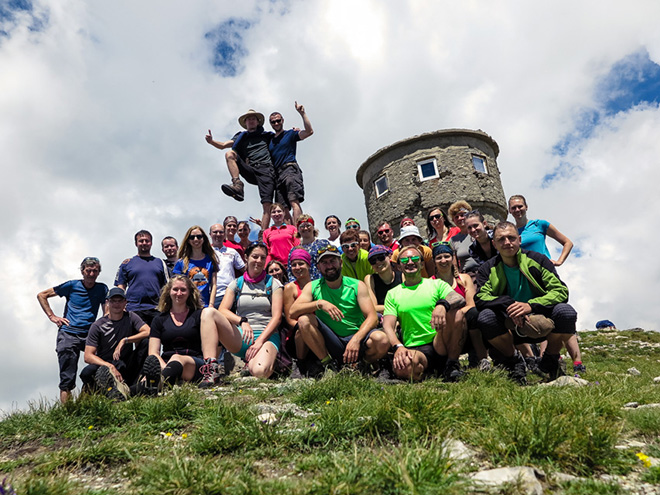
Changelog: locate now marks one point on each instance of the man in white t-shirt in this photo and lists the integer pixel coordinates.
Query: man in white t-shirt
(230, 266)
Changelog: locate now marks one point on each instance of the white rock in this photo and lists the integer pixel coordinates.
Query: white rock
(634, 371)
(457, 450)
(524, 477)
(634, 444)
(268, 418)
(631, 405)
(656, 379)
(563, 381)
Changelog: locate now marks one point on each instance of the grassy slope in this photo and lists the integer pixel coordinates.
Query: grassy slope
(344, 434)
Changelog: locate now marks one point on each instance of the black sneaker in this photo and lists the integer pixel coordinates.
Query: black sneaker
(550, 366)
(452, 372)
(151, 372)
(517, 368)
(210, 371)
(532, 363)
(579, 368)
(109, 384)
(234, 190)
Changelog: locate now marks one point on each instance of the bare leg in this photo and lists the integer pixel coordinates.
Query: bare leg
(573, 348)
(189, 366)
(415, 368)
(262, 364)
(297, 211)
(308, 328)
(65, 395)
(504, 344)
(526, 350)
(449, 341)
(232, 163)
(377, 346)
(287, 217)
(556, 341)
(542, 347)
(478, 344)
(265, 216)
(301, 347)
(214, 326)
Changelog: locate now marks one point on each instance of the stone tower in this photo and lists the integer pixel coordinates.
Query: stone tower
(411, 176)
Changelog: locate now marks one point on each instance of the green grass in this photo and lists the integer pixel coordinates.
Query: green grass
(345, 434)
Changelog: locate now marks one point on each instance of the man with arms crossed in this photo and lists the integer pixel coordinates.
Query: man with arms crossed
(432, 328)
(336, 317)
(83, 298)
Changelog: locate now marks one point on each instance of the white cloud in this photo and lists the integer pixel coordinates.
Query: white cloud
(103, 116)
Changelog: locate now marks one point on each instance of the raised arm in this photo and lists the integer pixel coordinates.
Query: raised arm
(307, 131)
(566, 243)
(221, 145)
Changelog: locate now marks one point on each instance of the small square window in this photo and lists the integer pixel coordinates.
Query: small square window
(428, 169)
(479, 163)
(382, 186)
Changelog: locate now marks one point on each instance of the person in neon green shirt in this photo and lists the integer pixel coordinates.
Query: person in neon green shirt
(354, 260)
(336, 317)
(432, 328)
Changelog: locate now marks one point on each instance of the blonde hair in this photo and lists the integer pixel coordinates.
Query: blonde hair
(193, 302)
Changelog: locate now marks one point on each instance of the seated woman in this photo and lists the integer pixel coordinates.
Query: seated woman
(253, 304)
(276, 268)
(445, 270)
(301, 261)
(461, 242)
(438, 227)
(189, 338)
(482, 248)
(197, 260)
(384, 277)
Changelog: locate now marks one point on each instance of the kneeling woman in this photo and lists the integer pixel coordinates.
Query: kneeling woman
(188, 334)
(253, 304)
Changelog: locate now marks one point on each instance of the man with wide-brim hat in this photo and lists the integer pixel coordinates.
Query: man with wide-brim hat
(249, 157)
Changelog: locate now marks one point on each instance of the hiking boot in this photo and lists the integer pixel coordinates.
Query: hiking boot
(452, 372)
(579, 368)
(151, 373)
(517, 368)
(549, 365)
(229, 364)
(110, 385)
(532, 363)
(210, 371)
(234, 190)
(485, 365)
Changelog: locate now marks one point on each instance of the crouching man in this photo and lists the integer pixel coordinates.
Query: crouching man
(432, 328)
(336, 317)
(109, 352)
(522, 300)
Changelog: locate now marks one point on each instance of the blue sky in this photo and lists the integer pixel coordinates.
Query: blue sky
(104, 107)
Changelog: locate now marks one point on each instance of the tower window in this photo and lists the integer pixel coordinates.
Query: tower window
(479, 163)
(382, 186)
(428, 169)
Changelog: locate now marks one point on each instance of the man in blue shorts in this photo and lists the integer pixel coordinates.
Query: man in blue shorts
(83, 299)
(142, 277)
(336, 317)
(521, 299)
(289, 189)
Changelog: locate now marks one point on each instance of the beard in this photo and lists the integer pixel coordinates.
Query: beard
(332, 274)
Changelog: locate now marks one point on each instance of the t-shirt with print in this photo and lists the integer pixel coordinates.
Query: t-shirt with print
(105, 333)
(82, 304)
(200, 272)
(184, 339)
(229, 260)
(413, 306)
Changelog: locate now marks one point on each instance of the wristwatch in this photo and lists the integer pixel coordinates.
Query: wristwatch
(243, 320)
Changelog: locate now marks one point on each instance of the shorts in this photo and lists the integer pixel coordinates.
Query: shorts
(199, 362)
(261, 175)
(336, 345)
(274, 339)
(68, 347)
(435, 362)
(290, 187)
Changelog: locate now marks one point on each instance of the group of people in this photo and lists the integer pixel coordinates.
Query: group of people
(409, 305)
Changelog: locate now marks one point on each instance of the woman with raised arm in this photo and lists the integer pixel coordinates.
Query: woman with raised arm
(198, 261)
(253, 304)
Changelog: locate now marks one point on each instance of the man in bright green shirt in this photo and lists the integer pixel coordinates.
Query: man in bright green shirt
(336, 317)
(432, 329)
(354, 260)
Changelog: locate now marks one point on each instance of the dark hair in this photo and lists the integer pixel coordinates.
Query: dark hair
(381, 224)
(325, 223)
(247, 224)
(228, 219)
(504, 225)
(193, 302)
(90, 261)
(474, 213)
(254, 245)
(275, 113)
(169, 237)
(185, 251)
(141, 233)
(517, 196)
(364, 232)
(283, 277)
(429, 228)
(349, 236)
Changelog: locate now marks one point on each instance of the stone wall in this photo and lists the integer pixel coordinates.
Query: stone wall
(408, 196)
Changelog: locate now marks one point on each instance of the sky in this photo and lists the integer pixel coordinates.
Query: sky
(104, 107)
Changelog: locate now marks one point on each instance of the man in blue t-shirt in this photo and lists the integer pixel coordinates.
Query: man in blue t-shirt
(142, 277)
(289, 189)
(83, 299)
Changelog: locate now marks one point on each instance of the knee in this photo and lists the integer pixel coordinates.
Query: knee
(231, 155)
(379, 343)
(489, 325)
(305, 323)
(259, 370)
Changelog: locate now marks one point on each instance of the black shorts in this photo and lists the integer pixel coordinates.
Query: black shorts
(68, 348)
(260, 174)
(434, 361)
(336, 345)
(290, 185)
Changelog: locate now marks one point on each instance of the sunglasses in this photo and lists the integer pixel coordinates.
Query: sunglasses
(91, 259)
(327, 249)
(353, 226)
(414, 259)
(440, 243)
(346, 247)
(196, 236)
(384, 231)
(276, 121)
(379, 258)
(436, 217)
